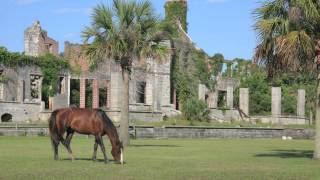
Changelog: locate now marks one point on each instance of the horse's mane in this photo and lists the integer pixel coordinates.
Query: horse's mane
(108, 123)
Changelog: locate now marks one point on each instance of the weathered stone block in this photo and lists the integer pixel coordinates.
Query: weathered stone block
(244, 100)
(301, 101)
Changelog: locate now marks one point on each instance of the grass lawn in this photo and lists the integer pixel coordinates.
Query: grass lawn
(32, 158)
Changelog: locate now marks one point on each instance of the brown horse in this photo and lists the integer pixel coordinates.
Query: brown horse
(84, 121)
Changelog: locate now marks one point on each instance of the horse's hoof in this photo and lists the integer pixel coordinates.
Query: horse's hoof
(106, 162)
(94, 159)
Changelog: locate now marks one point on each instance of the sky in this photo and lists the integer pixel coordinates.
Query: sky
(216, 26)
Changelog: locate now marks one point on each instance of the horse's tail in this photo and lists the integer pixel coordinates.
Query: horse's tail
(53, 129)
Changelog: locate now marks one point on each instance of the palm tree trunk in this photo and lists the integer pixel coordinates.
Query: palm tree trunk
(124, 123)
(316, 154)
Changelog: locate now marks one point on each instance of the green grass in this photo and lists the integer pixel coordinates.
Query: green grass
(31, 158)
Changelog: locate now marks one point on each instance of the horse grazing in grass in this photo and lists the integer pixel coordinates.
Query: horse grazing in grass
(84, 121)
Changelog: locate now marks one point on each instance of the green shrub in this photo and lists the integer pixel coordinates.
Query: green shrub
(194, 109)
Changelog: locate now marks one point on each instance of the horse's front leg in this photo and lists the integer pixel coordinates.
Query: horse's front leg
(95, 148)
(100, 141)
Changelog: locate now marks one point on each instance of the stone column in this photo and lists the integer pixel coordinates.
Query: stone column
(202, 92)
(68, 89)
(165, 100)
(211, 100)
(276, 103)
(244, 100)
(230, 97)
(149, 94)
(215, 99)
(108, 94)
(42, 106)
(95, 94)
(301, 101)
(40, 89)
(20, 91)
(82, 92)
(116, 90)
(174, 99)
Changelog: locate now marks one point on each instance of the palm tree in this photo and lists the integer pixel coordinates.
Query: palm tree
(288, 32)
(125, 31)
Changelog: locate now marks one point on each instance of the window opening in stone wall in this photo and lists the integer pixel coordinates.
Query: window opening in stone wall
(35, 84)
(103, 97)
(62, 85)
(6, 117)
(141, 89)
(222, 102)
(47, 47)
(89, 93)
(75, 92)
(172, 95)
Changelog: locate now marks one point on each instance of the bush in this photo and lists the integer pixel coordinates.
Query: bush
(194, 109)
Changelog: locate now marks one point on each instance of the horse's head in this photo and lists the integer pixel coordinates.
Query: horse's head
(117, 153)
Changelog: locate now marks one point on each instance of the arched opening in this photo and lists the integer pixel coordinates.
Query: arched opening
(6, 117)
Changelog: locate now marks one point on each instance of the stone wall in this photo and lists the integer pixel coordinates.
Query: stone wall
(19, 83)
(177, 132)
(75, 54)
(210, 132)
(21, 111)
(284, 120)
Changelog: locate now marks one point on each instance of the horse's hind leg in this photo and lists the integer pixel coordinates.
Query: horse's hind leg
(55, 145)
(67, 142)
(95, 147)
(100, 141)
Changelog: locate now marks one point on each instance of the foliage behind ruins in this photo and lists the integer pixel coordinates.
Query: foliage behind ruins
(49, 64)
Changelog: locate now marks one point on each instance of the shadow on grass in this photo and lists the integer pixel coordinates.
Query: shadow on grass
(89, 159)
(153, 145)
(288, 154)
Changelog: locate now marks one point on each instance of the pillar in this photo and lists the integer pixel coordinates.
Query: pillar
(174, 99)
(82, 92)
(276, 102)
(108, 94)
(202, 92)
(68, 89)
(116, 90)
(301, 101)
(211, 100)
(214, 103)
(20, 91)
(244, 100)
(230, 97)
(40, 89)
(148, 95)
(165, 96)
(95, 94)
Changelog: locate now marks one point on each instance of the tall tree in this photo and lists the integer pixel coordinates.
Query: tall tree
(288, 31)
(123, 32)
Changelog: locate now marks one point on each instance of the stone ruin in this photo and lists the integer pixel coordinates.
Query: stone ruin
(21, 97)
(229, 112)
(151, 95)
(37, 42)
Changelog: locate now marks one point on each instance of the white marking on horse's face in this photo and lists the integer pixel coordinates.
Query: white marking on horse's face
(121, 156)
